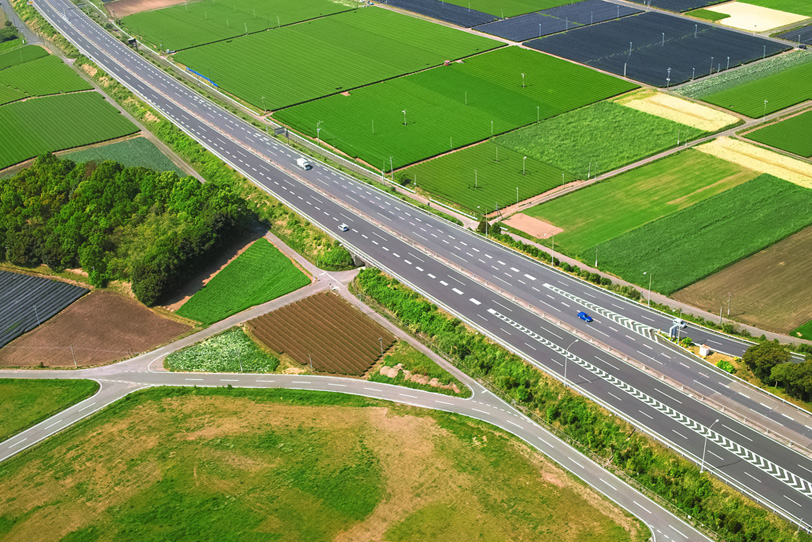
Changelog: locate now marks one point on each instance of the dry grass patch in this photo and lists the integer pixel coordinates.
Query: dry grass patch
(759, 159)
(678, 110)
(540, 229)
(754, 18)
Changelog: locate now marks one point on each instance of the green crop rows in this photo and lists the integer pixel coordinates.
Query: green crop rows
(259, 274)
(328, 55)
(792, 135)
(21, 55)
(598, 138)
(778, 90)
(451, 106)
(40, 125)
(48, 75)
(137, 152)
(474, 179)
(613, 207)
(686, 246)
(195, 23)
(509, 8)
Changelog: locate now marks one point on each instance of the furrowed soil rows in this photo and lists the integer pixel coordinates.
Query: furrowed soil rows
(326, 332)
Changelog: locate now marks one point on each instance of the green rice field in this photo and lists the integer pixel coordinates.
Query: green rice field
(620, 204)
(684, 247)
(474, 179)
(328, 55)
(792, 135)
(40, 77)
(136, 152)
(779, 90)
(598, 138)
(195, 23)
(40, 125)
(259, 274)
(21, 55)
(509, 8)
(450, 107)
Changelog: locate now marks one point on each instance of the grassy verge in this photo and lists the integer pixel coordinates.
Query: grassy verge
(226, 464)
(422, 370)
(231, 351)
(612, 442)
(26, 402)
(259, 274)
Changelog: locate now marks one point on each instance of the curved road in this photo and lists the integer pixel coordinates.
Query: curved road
(501, 293)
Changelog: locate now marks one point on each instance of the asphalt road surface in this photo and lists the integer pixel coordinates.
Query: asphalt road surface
(450, 266)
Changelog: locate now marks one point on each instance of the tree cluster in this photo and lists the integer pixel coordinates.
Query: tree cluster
(771, 362)
(153, 229)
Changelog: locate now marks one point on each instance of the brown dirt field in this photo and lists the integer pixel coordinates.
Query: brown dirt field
(102, 327)
(121, 8)
(532, 226)
(770, 289)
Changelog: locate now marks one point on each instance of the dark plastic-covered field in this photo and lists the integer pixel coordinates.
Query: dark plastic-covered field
(444, 11)
(658, 49)
(678, 5)
(799, 35)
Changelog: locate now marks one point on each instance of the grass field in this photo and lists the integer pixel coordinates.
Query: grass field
(228, 465)
(708, 15)
(804, 331)
(231, 351)
(780, 90)
(194, 23)
(418, 364)
(792, 135)
(472, 177)
(136, 152)
(25, 402)
(10, 44)
(598, 138)
(305, 61)
(259, 274)
(684, 247)
(72, 120)
(613, 207)
(21, 55)
(40, 77)
(509, 8)
(437, 115)
(800, 7)
(770, 289)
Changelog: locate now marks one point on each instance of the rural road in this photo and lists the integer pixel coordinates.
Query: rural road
(526, 306)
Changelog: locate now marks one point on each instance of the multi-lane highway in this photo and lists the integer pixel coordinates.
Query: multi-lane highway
(463, 272)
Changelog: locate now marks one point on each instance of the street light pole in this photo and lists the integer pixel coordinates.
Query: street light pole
(566, 358)
(524, 170)
(764, 117)
(649, 286)
(404, 117)
(705, 447)
(318, 132)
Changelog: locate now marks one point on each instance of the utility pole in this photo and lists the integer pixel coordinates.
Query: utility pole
(729, 295)
(380, 341)
(75, 366)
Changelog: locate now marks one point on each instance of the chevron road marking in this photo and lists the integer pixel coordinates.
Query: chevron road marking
(797, 483)
(637, 327)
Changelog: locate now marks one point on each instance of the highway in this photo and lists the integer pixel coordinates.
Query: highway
(461, 271)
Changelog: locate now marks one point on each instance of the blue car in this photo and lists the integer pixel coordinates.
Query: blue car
(585, 317)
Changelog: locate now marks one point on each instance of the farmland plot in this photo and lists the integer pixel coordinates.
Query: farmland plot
(231, 351)
(205, 21)
(325, 332)
(41, 77)
(136, 152)
(451, 106)
(509, 8)
(679, 5)
(658, 49)
(792, 135)
(21, 56)
(444, 11)
(686, 246)
(309, 60)
(27, 301)
(617, 205)
(801, 7)
(799, 35)
(71, 119)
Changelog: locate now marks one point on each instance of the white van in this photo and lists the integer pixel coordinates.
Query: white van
(304, 163)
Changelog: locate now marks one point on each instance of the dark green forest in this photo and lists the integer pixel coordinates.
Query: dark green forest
(151, 228)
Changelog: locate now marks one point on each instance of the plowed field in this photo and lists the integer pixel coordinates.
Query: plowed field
(325, 329)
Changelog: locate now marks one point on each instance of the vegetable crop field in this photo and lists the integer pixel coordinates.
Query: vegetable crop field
(450, 107)
(231, 351)
(474, 179)
(324, 332)
(617, 205)
(205, 21)
(26, 402)
(792, 135)
(293, 465)
(40, 77)
(328, 55)
(767, 94)
(32, 127)
(21, 56)
(136, 152)
(259, 274)
(691, 244)
(598, 138)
